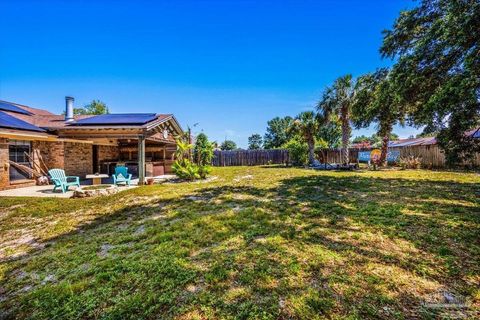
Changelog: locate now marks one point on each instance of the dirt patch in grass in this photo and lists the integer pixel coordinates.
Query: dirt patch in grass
(97, 187)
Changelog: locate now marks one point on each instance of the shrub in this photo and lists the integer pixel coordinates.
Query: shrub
(203, 155)
(204, 171)
(410, 162)
(185, 169)
(297, 151)
(203, 150)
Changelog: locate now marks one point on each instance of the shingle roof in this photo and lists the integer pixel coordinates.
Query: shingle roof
(45, 119)
(33, 111)
(52, 121)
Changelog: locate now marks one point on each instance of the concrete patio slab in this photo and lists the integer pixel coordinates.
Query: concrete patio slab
(47, 191)
(44, 191)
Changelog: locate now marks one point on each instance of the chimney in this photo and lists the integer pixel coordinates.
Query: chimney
(69, 109)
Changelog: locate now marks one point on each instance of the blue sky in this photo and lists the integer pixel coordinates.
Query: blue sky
(229, 66)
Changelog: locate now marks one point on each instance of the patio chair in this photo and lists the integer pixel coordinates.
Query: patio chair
(122, 176)
(60, 180)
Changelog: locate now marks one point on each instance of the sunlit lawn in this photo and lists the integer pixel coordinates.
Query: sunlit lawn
(254, 243)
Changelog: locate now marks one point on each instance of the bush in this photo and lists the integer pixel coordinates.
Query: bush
(203, 150)
(204, 171)
(185, 169)
(410, 162)
(297, 151)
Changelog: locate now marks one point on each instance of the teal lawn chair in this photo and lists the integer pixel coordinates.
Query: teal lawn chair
(122, 176)
(60, 180)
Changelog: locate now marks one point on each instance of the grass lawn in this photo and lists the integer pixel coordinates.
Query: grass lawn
(254, 243)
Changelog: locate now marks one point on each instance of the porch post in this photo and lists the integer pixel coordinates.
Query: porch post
(141, 160)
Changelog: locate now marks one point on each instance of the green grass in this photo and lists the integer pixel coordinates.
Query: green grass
(254, 243)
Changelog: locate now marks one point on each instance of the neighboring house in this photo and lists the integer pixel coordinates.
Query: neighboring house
(428, 141)
(85, 144)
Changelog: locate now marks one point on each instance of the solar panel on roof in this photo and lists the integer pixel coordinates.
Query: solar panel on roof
(7, 121)
(6, 106)
(117, 119)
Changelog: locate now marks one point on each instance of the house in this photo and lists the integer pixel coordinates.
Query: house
(427, 141)
(83, 144)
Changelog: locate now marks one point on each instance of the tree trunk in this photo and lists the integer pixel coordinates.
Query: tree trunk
(383, 155)
(311, 152)
(346, 130)
(384, 132)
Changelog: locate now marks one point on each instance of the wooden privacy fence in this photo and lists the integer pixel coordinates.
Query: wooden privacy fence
(249, 157)
(431, 156)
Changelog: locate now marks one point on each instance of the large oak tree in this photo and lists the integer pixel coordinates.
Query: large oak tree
(437, 72)
(377, 102)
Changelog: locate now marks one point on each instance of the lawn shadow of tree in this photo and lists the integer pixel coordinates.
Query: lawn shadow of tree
(310, 246)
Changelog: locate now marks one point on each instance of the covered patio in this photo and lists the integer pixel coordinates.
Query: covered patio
(144, 143)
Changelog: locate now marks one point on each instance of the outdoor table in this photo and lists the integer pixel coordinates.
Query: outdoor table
(96, 178)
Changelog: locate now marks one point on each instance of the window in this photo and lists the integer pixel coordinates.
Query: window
(17, 150)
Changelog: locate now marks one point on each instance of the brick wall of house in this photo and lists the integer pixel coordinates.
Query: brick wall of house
(108, 153)
(4, 176)
(78, 159)
(52, 153)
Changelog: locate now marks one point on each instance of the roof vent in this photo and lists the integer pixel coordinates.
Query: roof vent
(69, 109)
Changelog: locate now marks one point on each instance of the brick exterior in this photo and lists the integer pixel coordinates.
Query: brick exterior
(75, 158)
(4, 176)
(78, 159)
(53, 153)
(108, 153)
(22, 184)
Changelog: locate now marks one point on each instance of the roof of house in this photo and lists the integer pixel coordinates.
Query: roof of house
(40, 119)
(412, 142)
(29, 110)
(11, 122)
(475, 133)
(117, 119)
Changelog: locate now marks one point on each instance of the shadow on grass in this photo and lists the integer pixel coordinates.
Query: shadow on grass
(309, 246)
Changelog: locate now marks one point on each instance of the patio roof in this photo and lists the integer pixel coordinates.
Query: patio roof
(117, 119)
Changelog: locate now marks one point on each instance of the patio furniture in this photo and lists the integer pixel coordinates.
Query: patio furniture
(60, 180)
(122, 176)
(96, 178)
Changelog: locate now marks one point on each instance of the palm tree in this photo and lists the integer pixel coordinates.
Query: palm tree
(306, 125)
(339, 99)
